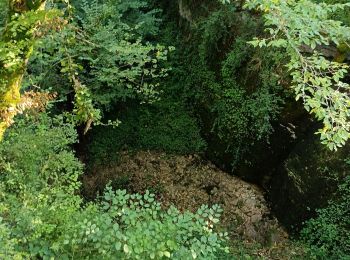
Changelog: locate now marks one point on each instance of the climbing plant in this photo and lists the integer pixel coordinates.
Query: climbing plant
(235, 87)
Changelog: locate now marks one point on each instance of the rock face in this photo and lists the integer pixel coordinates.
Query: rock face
(307, 180)
(263, 157)
(189, 182)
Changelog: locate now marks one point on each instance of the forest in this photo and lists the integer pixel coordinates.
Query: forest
(174, 129)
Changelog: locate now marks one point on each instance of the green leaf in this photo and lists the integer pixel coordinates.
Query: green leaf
(118, 246)
(126, 249)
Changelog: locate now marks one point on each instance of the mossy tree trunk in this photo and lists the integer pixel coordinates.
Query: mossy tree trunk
(16, 45)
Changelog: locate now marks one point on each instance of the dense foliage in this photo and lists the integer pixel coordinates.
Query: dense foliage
(185, 79)
(328, 234)
(3, 13)
(294, 26)
(25, 22)
(163, 126)
(232, 86)
(42, 215)
(105, 55)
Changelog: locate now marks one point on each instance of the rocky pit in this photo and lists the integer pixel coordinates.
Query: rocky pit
(188, 182)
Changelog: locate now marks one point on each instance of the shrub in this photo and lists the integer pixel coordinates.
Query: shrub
(163, 126)
(105, 56)
(328, 234)
(42, 215)
(135, 226)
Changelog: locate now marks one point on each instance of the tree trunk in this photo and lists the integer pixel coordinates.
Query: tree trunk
(18, 44)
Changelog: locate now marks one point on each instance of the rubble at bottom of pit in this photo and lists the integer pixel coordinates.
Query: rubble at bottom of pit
(189, 182)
